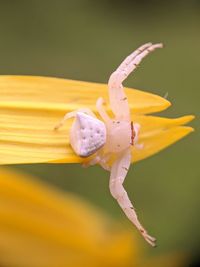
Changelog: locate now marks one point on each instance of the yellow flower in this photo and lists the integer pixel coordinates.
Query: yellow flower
(43, 227)
(32, 106)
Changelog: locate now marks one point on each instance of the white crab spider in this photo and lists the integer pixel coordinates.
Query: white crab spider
(112, 138)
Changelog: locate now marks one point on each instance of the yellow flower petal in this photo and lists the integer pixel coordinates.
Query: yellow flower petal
(158, 141)
(41, 226)
(61, 95)
(158, 133)
(32, 106)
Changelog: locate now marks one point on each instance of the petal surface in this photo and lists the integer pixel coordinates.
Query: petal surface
(157, 141)
(31, 106)
(157, 133)
(62, 95)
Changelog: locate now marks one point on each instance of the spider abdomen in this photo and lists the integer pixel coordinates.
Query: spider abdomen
(87, 134)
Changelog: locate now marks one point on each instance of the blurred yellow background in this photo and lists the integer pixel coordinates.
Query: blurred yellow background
(86, 40)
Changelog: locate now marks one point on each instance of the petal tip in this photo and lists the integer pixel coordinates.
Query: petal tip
(187, 130)
(188, 119)
(191, 117)
(191, 130)
(166, 103)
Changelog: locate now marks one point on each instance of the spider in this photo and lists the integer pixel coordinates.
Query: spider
(112, 138)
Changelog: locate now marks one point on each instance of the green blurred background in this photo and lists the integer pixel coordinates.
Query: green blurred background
(86, 40)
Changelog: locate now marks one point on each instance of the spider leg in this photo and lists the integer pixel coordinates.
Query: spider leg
(118, 99)
(104, 161)
(98, 159)
(118, 173)
(72, 114)
(92, 161)
(101, 110)
(137, 127)
(132, 65)
(135, 53)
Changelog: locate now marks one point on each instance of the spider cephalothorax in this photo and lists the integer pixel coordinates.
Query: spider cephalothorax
(113, 137)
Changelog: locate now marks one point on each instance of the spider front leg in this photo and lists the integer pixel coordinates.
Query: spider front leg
(118, 173)
(118, 99)
(72, 114)
(101, 110)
